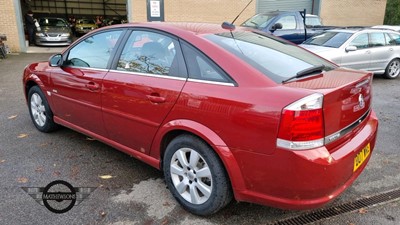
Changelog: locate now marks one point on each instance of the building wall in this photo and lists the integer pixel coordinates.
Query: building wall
(8, 24)
(213, 11)
(352, 12)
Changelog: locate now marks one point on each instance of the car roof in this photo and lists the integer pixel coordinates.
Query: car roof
(388, 27)
(354, 30)
(182, 27)
(278, 11)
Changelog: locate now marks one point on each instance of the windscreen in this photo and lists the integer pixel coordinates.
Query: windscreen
(86, 21)
(277, 59)
(52, 22)
(259, 21)
(329, 39)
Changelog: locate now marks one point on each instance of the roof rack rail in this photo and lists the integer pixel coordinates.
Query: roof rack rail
(355, 27)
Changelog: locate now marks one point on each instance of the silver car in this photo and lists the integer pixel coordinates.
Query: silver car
(53, 32)
(374, 50)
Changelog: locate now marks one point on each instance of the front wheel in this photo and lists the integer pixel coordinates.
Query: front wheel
(39, 110)
(393, 69)
(195, 176)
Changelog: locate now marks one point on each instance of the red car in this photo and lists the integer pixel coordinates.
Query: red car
(223, 113)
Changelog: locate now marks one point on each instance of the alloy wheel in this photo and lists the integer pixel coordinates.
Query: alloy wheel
(394, 68)
(191, 176)
(38, 110)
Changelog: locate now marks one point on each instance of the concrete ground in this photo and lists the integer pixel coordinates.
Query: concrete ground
(134, 192)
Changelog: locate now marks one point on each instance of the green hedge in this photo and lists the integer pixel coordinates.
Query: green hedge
(392, 15)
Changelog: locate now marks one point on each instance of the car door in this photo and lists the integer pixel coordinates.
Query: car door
(144, 85)
(290, 29)
(381, 51)
(359, 59)
(77, 84)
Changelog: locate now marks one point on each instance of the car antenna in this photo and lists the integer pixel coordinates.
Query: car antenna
(231, 26)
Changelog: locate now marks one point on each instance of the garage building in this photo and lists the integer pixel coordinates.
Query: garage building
(332, 12)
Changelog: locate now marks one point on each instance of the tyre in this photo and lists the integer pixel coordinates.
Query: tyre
(393, 69)
(195, 176)
(39, 110)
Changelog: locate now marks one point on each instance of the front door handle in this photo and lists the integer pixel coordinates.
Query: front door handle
(92, 86)
(156, 98)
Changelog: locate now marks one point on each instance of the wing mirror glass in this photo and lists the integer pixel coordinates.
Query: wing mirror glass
(56, 60)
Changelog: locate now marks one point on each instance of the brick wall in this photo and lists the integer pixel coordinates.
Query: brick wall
(213, 11)
(8, 24)
(353, 12)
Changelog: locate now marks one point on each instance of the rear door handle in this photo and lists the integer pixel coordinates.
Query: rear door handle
(156, 98)
(92, 86)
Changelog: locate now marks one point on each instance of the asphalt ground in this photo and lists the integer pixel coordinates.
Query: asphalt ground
(127, 191)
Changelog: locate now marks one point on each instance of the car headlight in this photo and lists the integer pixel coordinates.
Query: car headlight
(65, 35)
(92, 28)
(40, 34)
(81, 28)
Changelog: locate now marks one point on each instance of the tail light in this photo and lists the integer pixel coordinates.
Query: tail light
(302, 124)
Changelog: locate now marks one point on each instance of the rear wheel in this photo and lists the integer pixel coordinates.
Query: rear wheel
(39, 110)
(393, 69)
(195, 176)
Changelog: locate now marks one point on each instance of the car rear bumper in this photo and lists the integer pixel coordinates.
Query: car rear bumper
(304, 179)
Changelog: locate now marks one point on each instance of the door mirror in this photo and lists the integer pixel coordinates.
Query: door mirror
(351, 48)
(56, 60)
(276, 27)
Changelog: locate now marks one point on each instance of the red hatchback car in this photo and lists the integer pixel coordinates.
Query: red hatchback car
(222, 113)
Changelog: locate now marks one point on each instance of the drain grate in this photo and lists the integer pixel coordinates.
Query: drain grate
(340, 209)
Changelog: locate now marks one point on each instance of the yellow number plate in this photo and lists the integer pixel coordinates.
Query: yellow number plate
(361, 157)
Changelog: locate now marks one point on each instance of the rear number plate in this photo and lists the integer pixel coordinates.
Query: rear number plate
(361, 157)
(54, 39)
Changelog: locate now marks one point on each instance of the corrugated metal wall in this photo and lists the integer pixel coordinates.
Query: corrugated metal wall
(284, 5)
(76, 7)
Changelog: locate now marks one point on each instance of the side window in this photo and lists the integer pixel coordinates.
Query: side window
(152, 53)
(361, 41)
(388, 40)
(288, 22)
(395, 39)
(94, 51)
(201, 67)
(377, 39)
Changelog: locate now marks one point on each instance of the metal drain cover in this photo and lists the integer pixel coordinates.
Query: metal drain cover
(340, 209)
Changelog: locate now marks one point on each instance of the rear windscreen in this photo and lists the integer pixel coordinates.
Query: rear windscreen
(277, 59)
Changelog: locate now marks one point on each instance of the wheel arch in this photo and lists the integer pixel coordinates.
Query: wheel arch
(28, 85)
(178, 127)
(30, 81)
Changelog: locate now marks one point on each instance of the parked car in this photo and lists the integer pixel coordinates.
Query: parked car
(288, 25)
(114, 20)
(84, 26)
(53, 32)
(223, 113)
(373, 50)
